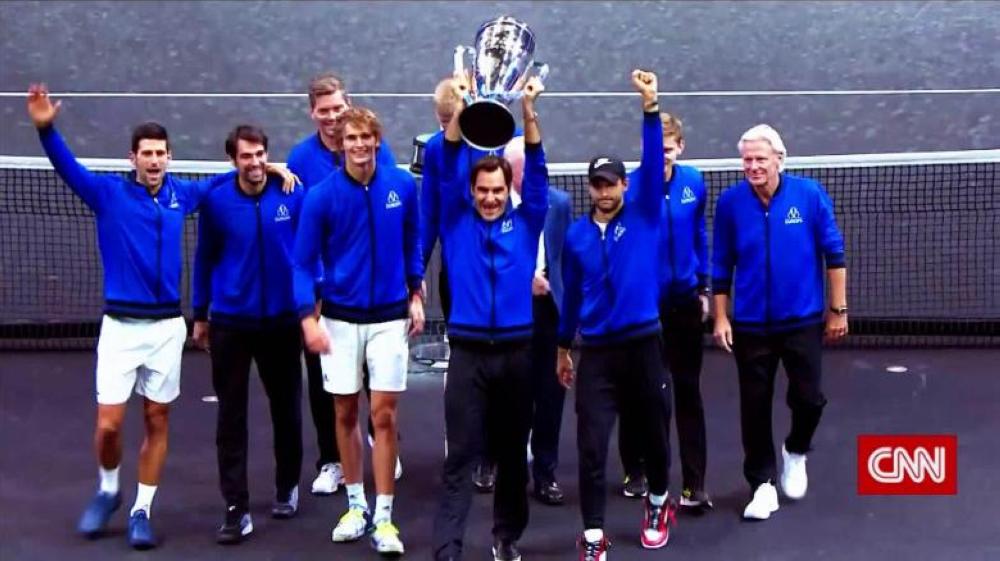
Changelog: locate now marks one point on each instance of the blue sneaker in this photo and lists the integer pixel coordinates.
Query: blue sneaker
(98, 512)
(140, 533)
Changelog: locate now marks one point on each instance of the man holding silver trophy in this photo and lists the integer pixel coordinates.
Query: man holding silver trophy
(488, 394)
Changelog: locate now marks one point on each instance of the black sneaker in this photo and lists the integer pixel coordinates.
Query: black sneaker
(549, 494)
(286, 505)
(506, 551)
(235, 528)
(635, 486)
(695, 502)
(485, 477)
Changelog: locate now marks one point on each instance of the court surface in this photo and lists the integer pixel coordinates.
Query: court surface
(47, 471)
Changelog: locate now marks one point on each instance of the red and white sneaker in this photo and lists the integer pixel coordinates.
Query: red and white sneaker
(594, 551)
(656, 523)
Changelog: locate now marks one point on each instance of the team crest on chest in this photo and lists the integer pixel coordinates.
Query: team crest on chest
(793, 216)
(687, 196)
(392, 201)
(282, 214)
(507, 226)
(173, 200)
(619, 231)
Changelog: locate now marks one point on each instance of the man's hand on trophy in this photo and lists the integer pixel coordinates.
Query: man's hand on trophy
(645, 84)
(461, 86)
(533, 89)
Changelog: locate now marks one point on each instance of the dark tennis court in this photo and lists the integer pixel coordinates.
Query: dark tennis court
(47, 471)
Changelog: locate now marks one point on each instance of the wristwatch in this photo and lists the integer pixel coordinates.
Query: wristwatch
(839, 310)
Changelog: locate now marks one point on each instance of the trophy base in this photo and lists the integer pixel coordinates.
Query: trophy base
(487, 125)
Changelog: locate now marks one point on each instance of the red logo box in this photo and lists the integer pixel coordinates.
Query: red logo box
(910, 464)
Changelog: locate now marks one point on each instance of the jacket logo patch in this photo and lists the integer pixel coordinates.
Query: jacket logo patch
(687, 196)
(392, 201)
(507, 226)
(173, 200)
(793, 216)
(282, 214)
(619, 231)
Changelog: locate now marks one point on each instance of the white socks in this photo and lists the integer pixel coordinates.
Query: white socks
(383, 509)
(144, 499)
(593, 535)
(356, 496)
(108, 479)
(658, 500)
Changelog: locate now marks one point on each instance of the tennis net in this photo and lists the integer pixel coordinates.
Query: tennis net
(922, 238)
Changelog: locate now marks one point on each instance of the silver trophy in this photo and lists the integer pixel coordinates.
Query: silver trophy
(502, 63)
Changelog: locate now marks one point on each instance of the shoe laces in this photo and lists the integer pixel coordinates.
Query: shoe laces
(353, 516)
(385, 529)
(592, 550)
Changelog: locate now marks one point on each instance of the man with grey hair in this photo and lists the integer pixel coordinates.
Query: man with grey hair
(775, 233)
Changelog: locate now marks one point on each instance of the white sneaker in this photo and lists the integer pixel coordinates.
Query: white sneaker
(330, 478)
(385, 539)
(764, 503)
(794, 481)
(352, 526)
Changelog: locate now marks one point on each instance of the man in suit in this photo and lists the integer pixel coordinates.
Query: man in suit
(546, 290)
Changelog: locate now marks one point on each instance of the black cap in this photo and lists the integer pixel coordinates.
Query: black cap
(607, 168)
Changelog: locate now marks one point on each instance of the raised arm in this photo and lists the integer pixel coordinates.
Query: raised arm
(454, 188)
(650, 187)
(90, 187)
(535, 202)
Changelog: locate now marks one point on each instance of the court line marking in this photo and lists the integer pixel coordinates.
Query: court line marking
(393, 95)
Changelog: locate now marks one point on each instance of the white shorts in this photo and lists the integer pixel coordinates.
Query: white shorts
(144, 354)
(384, 346)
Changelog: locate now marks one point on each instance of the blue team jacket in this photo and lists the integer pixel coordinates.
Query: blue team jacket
(491, 264)
(243, 264)
(312, 161)
(368, 237)
(610, 278)
(773, 257)
(683, 242)
(139, 236)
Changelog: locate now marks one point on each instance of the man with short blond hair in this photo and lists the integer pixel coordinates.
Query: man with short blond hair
(312, 160)
(363, 222)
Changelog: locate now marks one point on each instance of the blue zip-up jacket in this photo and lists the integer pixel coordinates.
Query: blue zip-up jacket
(773, 257)
(431, 184)
(368, 237)
(243, 264)
(312, 161)
(610, 279)
(683, 241)
(139, 236)
(495, 260)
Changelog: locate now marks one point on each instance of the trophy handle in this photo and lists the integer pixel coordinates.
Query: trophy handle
(540, 69)
(459, 62)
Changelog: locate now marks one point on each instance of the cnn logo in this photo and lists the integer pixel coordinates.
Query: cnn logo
(907, 464)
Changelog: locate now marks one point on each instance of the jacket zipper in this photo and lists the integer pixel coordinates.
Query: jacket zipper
(670, 242)
(604, 257)
(260, 255)
(159, 249)
(767, 268)
(371, 230)
(493, 280)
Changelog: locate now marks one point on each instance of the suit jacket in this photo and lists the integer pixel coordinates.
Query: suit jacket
(557, 221)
